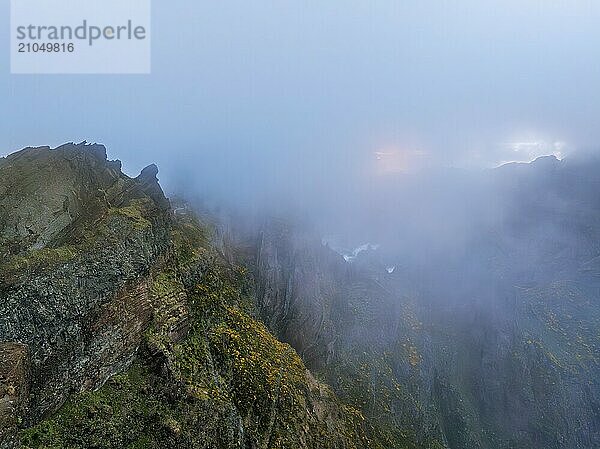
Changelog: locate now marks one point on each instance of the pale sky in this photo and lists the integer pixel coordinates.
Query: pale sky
(273, 91)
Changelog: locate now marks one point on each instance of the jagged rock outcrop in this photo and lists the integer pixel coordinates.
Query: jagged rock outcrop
(79, 241)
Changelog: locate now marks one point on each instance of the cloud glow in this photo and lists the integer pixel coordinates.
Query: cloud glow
(530, 150)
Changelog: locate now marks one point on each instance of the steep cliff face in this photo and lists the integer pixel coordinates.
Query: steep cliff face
(358, 334)
(100, 281)
(296, 289)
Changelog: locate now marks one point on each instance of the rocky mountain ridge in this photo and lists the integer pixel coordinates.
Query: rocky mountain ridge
(100, 281)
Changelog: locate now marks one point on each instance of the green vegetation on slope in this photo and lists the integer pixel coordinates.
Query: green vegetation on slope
(209, 375)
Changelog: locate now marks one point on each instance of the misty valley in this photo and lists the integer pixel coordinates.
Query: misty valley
(445, 308)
